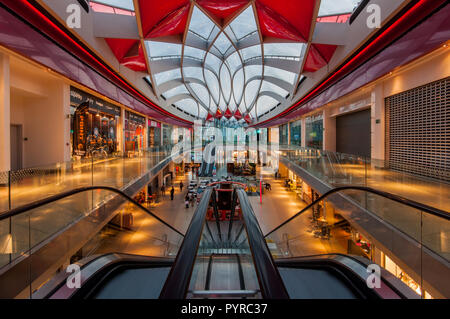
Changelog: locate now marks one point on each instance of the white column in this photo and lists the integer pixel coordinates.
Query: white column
(5, 114)
(303, 132)
(146, 132)
(66, 109)
(289, 133)
(121, 133)
(329, 131)
(378, 125)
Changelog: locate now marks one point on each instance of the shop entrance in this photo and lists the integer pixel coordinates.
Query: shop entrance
(16, 147)
(353, 133)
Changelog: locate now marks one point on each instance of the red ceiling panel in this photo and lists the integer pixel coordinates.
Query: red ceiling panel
(287, 14)
(222, 9)
(120, 47)
(248, 119)
(318, 56)
(237, 115)
(153, 12)
(209, 117)
(129, 53)
(274, 25)
(218, 114)
(173, 24)
(228, 113)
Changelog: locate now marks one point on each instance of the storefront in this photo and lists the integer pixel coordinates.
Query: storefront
(167, 134)
(284, 134)
(314, 132)
(154, 133)
(94, 125)
(296, 129)
(134, 132)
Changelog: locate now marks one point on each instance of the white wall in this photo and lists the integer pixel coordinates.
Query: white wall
(5, 156)
(40, 102)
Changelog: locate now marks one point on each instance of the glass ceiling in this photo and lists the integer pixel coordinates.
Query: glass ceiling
(221, 68)
(330, 7)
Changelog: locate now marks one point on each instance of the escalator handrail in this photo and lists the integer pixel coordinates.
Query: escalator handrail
(399, 199)
(25, 208)
(178, 280)
(270, 281)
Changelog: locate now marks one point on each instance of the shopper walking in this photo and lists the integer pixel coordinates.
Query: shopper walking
(186, 201)
(181, 186)
(172, 191)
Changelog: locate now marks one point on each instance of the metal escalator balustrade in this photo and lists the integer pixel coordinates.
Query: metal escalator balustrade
(38, 247)
(419, 250)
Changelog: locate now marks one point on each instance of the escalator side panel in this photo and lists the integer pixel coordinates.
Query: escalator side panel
(304, 283)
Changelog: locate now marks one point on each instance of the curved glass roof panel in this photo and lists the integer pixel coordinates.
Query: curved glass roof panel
(201, 24)
(161, 49)
(222, 43)
(238, 85)
(225, 81)
(264, 104)
(189, 105)
(181, 89)
(268, 86)
(201, 92)
(194, 53)
(164, 77)
(285, 49)
(213, 85)
(244, 24)
(279, 74)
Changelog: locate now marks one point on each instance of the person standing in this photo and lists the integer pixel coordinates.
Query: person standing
(163, 191)
(172, 191)
(181, 186)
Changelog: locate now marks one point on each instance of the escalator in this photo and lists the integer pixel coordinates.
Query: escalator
(208, 163)
(215, 258)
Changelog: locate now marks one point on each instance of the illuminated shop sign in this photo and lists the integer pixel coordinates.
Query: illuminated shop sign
(135, 118)
(154, 123)
(78, 97)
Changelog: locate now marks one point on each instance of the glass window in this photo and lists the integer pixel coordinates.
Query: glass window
(296, 131)
(283, 131)
(314, 132)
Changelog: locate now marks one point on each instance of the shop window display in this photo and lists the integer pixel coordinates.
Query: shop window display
(284, 134)
(134, 132)
(93, 126)
(314, 132)
(295, 128)
(154, 133)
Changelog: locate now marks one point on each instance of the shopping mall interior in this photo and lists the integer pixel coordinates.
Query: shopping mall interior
(308, 157)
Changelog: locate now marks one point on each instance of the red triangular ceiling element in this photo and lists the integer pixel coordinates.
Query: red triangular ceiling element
(129, 53)
(228, 113)
(248, 119)
(173, 24)
(318, 56)
(153, 12)
(237, 115)
(218, 114)
(209, 117)
(298, 14)
(222, 9)
(274, 25)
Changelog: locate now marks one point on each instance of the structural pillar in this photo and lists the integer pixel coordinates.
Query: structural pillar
(5, 114)
(329, 131)
(378, 126)
(303, 132)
